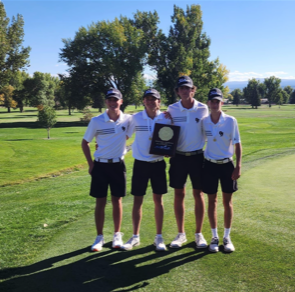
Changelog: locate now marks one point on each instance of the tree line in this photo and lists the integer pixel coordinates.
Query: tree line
(269, 90)
(114, 54)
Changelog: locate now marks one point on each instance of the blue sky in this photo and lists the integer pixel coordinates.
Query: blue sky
(251, 38)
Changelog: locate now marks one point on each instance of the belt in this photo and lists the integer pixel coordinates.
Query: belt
(156, 160)
(219, 161)
(189, 153)
(112, 160)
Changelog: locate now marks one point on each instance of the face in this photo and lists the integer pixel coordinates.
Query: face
(185, 92)
(215, 105)
(151, 103)
(113, 104)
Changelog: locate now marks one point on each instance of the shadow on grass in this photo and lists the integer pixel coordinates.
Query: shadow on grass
(18, 140)
(108, 270)
(16, 117)
(34, 125)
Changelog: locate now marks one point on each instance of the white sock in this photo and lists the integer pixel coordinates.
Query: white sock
(214, 232)
(226, 232)
(158, 235)
(135, 235)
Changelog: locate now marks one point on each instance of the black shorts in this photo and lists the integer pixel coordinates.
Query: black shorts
(108, 174)
(213, 172)
(181, 166)
(143, 171)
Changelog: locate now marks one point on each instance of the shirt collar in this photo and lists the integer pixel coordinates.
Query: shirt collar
(221, 119)
(192, 109)
(108, 119)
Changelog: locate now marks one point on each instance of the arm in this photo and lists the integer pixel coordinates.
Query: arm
(237, 171)
(87, 153)
(168, 116)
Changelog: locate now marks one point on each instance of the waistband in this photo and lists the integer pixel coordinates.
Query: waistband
(189, 153)
(112, 160)
(219, 161)
(153, 161)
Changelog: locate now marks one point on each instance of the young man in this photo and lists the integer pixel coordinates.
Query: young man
(108, 168)
(187, 113)
(147, 167)
(223, 139)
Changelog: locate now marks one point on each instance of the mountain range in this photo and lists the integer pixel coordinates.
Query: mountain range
(241, 84)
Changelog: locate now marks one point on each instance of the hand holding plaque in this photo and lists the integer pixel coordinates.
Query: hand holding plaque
(164, 140)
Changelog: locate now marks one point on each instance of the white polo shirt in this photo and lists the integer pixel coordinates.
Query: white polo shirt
(190, 137)
(220, 137)
(110, 135)
(143, 125)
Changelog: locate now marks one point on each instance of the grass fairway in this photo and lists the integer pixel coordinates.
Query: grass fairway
(47, 225)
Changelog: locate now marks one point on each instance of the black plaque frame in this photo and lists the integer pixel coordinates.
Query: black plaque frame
(165, 148)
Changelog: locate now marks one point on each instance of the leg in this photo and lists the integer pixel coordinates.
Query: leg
(179, 209)
(228, 216)
(159, 212)
(212, 210)
(199, 209)
(228, 209)
(99, 214)
(212, 213)
(117, 212)
(137, 213)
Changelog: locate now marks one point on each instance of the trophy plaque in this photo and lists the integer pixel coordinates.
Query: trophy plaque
(164, 140)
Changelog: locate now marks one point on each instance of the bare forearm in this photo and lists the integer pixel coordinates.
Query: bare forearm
(237, 171)
(86, 151)
(238, 152)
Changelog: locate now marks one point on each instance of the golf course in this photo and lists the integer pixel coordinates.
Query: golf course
(47, 216)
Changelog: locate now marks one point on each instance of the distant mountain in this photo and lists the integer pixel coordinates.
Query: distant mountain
(241, 84)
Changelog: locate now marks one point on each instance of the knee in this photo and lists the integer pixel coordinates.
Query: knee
(158, 200)
(227, 203)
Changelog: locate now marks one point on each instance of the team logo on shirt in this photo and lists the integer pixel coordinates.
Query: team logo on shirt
(220, 133)
(123, 128)
(180, 119)
(197, 120)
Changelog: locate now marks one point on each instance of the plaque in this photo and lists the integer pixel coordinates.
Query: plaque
(164, 140)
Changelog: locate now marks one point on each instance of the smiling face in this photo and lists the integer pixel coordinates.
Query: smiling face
(151, 103)
(215, 105)
(186, 92)
(113, 104)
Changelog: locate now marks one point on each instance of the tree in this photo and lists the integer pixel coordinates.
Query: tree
(106, 54)
(272, 87)
(46, 118)
(19, 95)
(292, 97)
(251, 92)
(237, 96)
(40, 89)
(285, 96)
(185, 51)
(288, 89)
(7, 97)
(74, 92)
(138, 86)
(13, 56)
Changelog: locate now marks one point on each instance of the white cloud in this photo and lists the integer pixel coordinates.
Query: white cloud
(245, 76)
(276, 73)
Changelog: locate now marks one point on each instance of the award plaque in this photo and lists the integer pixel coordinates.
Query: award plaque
(164, 139)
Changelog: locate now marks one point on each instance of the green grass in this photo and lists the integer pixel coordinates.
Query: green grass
(56, 257)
